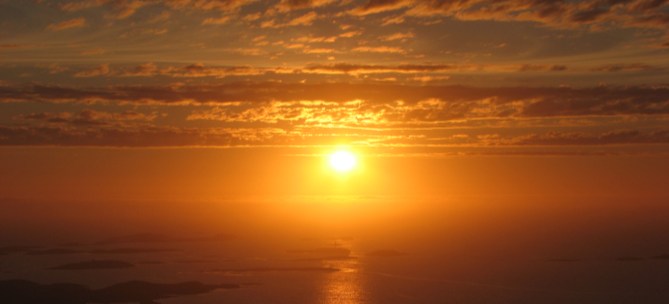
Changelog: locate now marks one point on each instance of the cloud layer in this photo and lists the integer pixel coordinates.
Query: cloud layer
(274, 114)
(504, 74)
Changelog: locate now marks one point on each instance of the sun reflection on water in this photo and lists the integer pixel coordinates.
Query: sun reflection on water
(345, 285)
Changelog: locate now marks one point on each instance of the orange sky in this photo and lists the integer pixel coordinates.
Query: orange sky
(272, 174)
(212, 99)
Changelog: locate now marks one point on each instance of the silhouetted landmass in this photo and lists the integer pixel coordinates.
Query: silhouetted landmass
(131, 250)
(95, 264)
(54, 251)
(151, 262)
(72, 244)
(278, 269)
(15, 249)
(662, 257)
(26, 292)
(385, 253)
(620, 259)
(630, 259)
(145, 238)
(193, 261)
(64, 251)
(138, 238)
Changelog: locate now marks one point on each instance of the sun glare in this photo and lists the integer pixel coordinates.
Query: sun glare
(343, 161)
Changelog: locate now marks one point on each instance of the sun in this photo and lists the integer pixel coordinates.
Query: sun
(343, 161)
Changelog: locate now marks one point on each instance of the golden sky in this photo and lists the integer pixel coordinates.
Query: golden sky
(395, 79)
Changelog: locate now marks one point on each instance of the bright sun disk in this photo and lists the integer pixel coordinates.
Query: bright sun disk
(343, 161)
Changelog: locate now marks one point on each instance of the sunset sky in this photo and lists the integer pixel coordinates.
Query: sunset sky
(334, 152)
(210, 98)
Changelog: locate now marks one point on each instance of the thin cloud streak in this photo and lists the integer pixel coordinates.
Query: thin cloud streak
(67, 24)
(520, 101)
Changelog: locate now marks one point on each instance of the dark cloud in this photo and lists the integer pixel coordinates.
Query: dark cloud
(345, 70)
(270, 113)
(379, 6)
(530, 101)
(67, 24)
(122, 9)
(90, 117)
(291, 5)
(559, 13)
(153, 136)
(301, 114)
(101, 70)
(607, 138)
(628, 67)
(541, 67)
(368, 68)
(192, 71)
(112, 136)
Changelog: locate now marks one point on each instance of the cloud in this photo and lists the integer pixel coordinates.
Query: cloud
(294, 126)
(221, 5)
(199, 70)
(429, 78)
(280, 114)
(93, 52)
(318, 39)
(606, 138)
(346, 68)
(318, 51)
(101, 70)
(433, 102)
(541, 68)
(591, 14)
(291, 5)
(196, 70)
(89, 117)
(399, 19)
(311, 39)
(379, 49)
(162, 17)
(436, 7)
(67, 24)
(350, 34)
(306, 112)
(73, 6)
(626, 67)
(302, 20)
(306, 19)
(126, 8)
(142, 70)
(217, 21)
(55, 68)
(379, 6)
(122, 9)
(47, 117)
(594, 14)
(135, 136)
(302, 44)
(397, 36)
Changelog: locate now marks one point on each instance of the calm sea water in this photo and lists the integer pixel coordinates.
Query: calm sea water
(563, 255)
